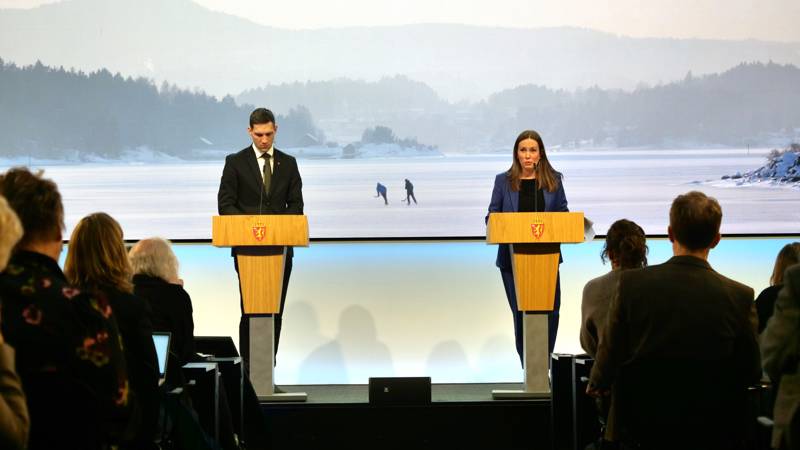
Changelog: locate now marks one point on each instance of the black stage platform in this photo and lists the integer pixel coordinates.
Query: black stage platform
(461, 416)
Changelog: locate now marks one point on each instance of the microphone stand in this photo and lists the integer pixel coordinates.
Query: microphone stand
(536, 188)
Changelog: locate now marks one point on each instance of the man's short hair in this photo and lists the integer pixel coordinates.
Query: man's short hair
(36, 201)
(695, 219)
(261, 116)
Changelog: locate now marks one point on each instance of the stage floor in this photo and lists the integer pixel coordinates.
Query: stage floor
(460, 416)
(358, 393)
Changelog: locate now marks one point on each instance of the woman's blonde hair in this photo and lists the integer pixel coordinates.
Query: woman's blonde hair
(154, 257)
(10, 232)
(788, 256)
(96, 256)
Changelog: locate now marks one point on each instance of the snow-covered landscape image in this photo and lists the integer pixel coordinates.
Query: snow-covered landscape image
(177, 199)
(781, 170)
(631, 113)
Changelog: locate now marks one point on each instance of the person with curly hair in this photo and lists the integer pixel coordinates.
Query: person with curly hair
(626, 248)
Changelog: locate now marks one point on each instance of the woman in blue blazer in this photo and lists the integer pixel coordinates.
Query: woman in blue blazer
(530, 185)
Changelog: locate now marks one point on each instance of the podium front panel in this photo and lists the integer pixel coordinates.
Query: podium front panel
(535, 275)
(541, 227)
(236, 230)
(261, 279)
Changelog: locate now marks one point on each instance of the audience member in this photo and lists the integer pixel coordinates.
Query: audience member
(68, 349)
(780, 344)
(765, 302)
(626, 248)
(679, 346)
(14, 420)
(156, 280)
(97, 263)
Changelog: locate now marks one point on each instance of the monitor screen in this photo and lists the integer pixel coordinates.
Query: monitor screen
(161, 342)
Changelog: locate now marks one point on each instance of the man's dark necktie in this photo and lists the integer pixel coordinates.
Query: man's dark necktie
(267, 172)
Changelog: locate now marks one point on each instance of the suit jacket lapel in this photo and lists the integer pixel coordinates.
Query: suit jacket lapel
(548, 199)
(277, 155)
(514, 197)
(252, 166)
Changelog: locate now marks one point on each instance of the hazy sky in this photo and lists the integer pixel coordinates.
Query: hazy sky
(717, 19)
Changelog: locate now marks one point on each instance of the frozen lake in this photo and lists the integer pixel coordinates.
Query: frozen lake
(176, 200)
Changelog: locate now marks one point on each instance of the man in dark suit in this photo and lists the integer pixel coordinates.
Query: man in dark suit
(261, 179)
(780, 343)
(679, 348)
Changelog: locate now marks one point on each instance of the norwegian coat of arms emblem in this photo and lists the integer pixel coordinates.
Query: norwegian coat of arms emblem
(537, 228)
(259, 231)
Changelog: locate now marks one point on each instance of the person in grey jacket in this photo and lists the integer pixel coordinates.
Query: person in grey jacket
(780, 348)
(14, 420)
(626, 248)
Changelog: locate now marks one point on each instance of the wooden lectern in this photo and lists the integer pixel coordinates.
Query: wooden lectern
(260, 243)
(535, 240)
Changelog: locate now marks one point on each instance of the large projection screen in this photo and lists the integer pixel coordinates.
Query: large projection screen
(132, 106)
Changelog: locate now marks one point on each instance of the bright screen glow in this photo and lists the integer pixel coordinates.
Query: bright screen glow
(438, 309)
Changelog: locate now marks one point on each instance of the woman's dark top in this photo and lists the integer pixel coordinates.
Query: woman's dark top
(170, 310)
(531, 199)
(68, 355)
(765, 304)
(132, 315)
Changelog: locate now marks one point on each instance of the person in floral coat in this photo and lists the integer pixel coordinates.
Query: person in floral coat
(68, 348)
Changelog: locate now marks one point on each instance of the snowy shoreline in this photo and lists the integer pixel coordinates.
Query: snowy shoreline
(781, 171)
